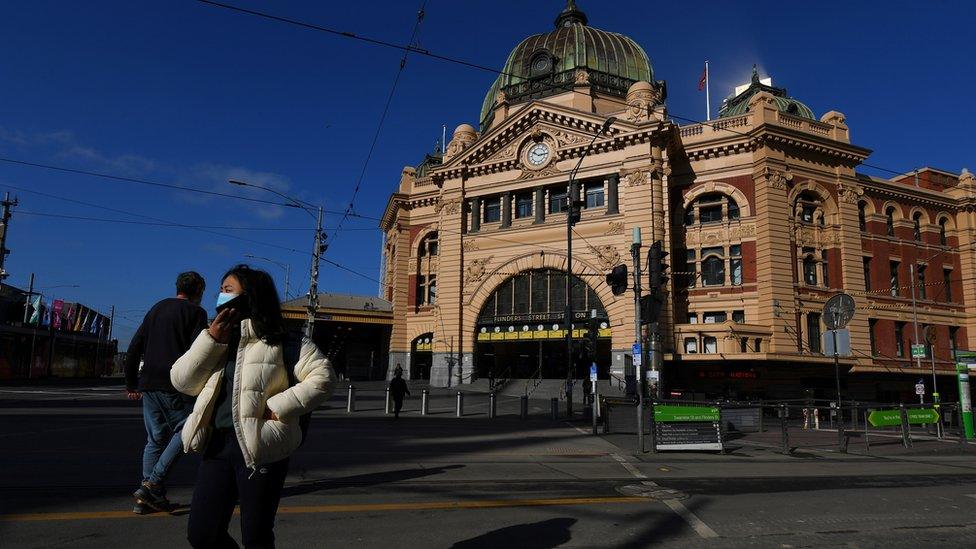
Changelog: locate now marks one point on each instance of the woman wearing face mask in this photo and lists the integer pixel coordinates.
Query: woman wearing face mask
(246, 418)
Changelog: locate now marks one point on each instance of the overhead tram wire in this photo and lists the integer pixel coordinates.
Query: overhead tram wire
(379, 126)
(427, 53)
(140, 181)
(151, 223)
(164, 223)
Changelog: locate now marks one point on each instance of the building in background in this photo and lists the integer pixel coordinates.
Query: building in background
(763, 212)
(54, 339)
(353, 331)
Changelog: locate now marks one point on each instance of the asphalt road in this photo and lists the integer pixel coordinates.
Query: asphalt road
(70, 456)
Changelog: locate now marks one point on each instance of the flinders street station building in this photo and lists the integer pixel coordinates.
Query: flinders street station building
(762, 210)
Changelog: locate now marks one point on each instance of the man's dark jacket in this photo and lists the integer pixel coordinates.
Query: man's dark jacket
(165, 334)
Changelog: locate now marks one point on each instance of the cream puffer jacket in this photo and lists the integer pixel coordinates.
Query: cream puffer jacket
(260, 381)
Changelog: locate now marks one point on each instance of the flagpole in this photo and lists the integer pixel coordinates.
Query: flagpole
(708, 102)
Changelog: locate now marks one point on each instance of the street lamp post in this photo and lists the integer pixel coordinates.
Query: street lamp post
(318, 248)
(284, 266)
(573, 205)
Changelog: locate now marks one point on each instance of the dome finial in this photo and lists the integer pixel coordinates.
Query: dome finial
(570, 16)
(755, 74)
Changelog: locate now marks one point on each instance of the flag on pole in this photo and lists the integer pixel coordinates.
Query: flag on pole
(35, 317)
(703, 81)
(56, 310)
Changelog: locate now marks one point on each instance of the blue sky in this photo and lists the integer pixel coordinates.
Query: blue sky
(185, 93)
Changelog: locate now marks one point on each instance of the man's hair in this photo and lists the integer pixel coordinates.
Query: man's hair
(190, 284)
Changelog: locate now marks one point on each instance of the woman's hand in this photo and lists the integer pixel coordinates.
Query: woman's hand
(268, 414)
(220, 328)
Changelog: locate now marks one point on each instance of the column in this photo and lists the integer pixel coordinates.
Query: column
(475, 214)
(506, 210)
(613, 206)
(540, 205)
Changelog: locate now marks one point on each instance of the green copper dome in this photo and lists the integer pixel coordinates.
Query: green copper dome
(545, 64)
(739, 104)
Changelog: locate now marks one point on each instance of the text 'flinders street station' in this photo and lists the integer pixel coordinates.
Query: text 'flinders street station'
(762, 212)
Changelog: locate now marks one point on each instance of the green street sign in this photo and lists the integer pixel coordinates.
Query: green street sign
(918, 351)
(889, 418)
(686, 413)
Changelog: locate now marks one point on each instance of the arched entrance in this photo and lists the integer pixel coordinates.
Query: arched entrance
(521, 328)
(420, 356)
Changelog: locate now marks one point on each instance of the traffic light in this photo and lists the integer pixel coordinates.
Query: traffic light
(594, 333)
(617, 279)
(656, 267)
(651, 306)
(575, 205)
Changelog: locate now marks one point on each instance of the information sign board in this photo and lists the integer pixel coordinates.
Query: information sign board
(687, 428)
(918, 351)
(889, 418)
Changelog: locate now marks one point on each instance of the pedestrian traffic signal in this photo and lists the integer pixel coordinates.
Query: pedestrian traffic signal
(617, 279)
(651, 306)
(656, 267)
(575, 205)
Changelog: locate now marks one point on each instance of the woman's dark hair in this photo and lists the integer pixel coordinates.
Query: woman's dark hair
(262, 297)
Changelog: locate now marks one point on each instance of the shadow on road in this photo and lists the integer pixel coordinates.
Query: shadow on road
(535, 535)
(370, 479)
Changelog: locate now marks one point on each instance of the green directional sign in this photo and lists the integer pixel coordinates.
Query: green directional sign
(916, 416)
(686, 413)
(918, 351)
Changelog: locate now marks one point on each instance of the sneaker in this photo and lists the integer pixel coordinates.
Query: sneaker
(152, 496)
(141, 509)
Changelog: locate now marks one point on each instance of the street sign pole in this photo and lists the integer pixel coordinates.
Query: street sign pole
(965, 406)
(840, 407)
(638, 348)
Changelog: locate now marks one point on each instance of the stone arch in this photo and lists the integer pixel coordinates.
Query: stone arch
(709, 187)
(869, 208)
(616, 308)
(950, 222)
(417, 330)
(415, 243)
(899, 212)
(924, 219)
(827, 201)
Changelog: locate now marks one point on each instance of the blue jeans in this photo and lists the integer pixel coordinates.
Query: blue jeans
(164, 414)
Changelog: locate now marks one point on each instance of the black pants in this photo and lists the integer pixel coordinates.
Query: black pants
(397, 405)
(222, 481)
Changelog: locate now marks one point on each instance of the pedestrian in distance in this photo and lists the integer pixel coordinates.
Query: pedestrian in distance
(246, 420)
(165, 334)
(398, 388)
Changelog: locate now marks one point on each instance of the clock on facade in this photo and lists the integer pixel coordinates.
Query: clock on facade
(538, 154)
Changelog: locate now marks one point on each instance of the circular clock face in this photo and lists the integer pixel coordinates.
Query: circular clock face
(538, 154)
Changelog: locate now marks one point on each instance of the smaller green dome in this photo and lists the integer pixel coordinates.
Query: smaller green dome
(739, 104)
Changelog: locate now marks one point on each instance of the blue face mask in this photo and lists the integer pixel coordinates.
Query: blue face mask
(224, 298)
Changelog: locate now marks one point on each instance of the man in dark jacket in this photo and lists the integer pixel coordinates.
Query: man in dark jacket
(398, 388)
(166, 333)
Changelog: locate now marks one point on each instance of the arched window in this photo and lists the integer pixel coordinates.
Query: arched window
(810, 270)
(713, 271)
(862, 219)
(711, 208)
(890, 220)
(942, 232)
(808, 208)
(428, 246)
(917, 225)
(425, 290)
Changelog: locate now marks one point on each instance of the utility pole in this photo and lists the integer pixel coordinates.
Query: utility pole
(638, 358)
(313, 283)
(911, 273)
(4, 225)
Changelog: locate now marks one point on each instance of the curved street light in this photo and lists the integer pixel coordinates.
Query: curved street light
(574, 204)
(318, 248)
